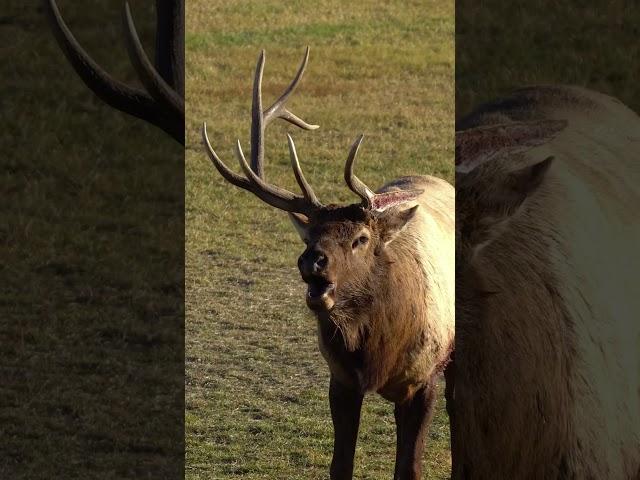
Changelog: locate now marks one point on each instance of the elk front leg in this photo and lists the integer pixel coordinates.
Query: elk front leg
(412, 422)
(346, 404)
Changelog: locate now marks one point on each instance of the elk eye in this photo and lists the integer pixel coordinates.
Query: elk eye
(361, 240)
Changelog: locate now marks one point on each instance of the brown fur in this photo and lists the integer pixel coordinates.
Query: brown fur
(511, 370)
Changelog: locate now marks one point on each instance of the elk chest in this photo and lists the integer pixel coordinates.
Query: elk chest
(359, 361)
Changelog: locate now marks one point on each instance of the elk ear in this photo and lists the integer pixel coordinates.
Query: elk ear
(505, 201)
(301, 223)
(394, 222)
(383, 201)
(520, 184)
(476, 146)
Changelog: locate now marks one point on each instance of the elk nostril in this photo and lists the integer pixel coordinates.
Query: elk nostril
(320, 263)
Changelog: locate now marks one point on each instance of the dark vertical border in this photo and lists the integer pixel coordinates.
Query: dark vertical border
(92, 261)
(535, 364)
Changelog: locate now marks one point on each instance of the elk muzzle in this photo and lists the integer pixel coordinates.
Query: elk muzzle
(313, 265)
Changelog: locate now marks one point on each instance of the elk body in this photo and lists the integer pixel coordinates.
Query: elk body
(547, 382)
(380, 282)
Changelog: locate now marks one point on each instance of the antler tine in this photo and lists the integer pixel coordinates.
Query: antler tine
(271, 194)
(307, 191)
(110, 90)
(225, 171)
(257, 120)
(354, 183)
(254, 181)
(149, 76)
(260, 119)
(276, 197)
(278, 109)
(169, 43)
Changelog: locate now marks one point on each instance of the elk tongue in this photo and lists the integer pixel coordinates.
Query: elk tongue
(318, 289)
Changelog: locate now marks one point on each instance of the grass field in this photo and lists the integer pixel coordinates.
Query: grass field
(256, 394)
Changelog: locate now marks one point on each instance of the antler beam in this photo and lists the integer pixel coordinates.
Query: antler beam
(254, 180)
(371, 200)
(260, 120)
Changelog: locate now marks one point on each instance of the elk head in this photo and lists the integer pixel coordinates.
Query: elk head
(344, 244)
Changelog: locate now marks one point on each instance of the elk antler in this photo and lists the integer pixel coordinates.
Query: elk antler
(356, 185)
(254, 180)
(370, 200)
(162, 103)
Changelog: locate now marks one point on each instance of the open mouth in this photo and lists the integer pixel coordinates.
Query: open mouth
(320, 295)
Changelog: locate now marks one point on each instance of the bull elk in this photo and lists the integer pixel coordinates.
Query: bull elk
(161, 103)
(379, 277)
(547, 382)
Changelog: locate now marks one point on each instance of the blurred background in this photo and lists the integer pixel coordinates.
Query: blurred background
(257, 387)
(91, 261)
(501, 46)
